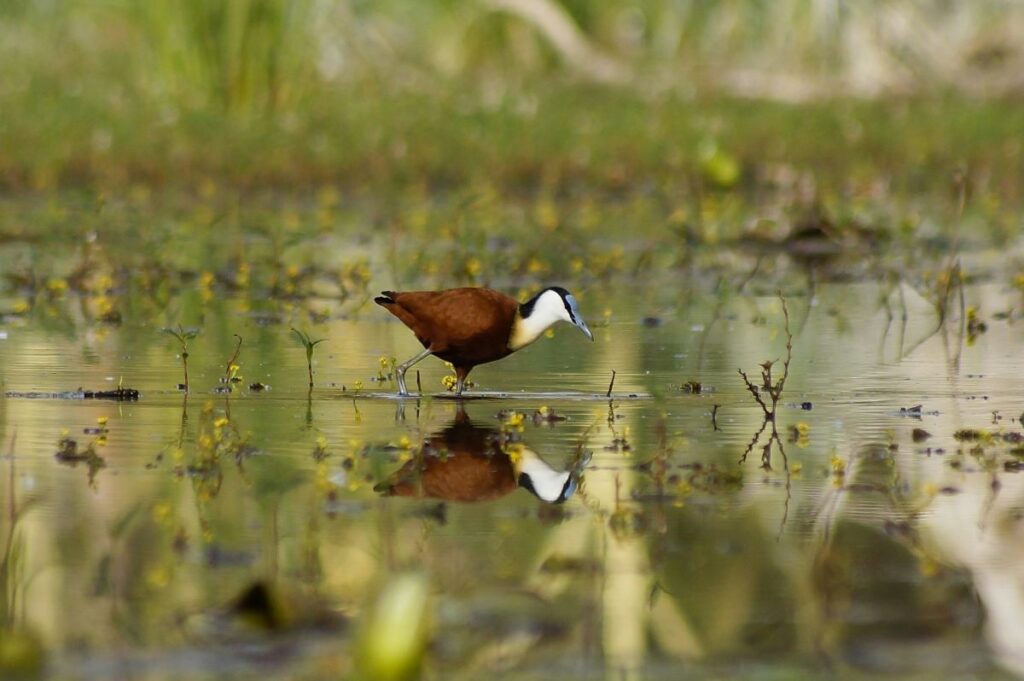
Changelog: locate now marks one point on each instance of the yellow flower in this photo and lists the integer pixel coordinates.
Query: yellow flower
(57, 286)
(515, 419)
(242, 275)
(157, 577)
(101, 420)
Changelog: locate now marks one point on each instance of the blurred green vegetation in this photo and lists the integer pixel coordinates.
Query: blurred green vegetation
(526, 93)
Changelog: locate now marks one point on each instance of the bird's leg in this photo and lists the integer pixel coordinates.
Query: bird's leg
(460, 384)
(403, 367)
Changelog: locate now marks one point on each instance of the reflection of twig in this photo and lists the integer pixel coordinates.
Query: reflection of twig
(753, 441)
(714, 415)
(766, 462)
(994, 486)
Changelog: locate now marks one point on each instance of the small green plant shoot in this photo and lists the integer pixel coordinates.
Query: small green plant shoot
(309, 344)
(183, 336)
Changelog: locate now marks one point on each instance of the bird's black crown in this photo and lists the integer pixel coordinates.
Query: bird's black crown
(526, 309)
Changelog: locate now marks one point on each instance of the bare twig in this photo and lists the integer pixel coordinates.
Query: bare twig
(755, 392)
(772, 387)
(611, 385)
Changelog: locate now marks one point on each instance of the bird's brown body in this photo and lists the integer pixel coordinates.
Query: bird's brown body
(463, 462)
(471, 326)
(464, 326)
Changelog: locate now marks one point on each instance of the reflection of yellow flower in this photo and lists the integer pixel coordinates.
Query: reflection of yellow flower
(514, 452)
(161, 512)
(838, 470)
(404, 442)
(104, 282)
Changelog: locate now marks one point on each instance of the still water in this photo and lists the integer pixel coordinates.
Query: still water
(881, 532)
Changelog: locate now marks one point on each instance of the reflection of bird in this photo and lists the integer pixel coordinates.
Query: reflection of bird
(464, 462)
(470, 326)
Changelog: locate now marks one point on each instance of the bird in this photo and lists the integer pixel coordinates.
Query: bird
(466, 462)
(471, 326)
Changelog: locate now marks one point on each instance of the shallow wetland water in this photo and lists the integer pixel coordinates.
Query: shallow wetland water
(226, 534)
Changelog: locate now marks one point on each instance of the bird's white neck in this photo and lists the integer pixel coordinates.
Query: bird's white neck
(547, 310)
(548, 484)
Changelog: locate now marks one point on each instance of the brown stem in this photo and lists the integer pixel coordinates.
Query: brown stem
(238, 349)
(184, 363)
(611, 385)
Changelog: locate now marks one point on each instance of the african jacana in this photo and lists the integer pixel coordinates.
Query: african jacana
(471, 326)
(465, 462)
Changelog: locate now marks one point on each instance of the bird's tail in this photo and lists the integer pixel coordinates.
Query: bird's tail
(385, 298)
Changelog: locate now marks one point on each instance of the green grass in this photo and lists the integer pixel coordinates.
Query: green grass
(368, 138)
(296, 95)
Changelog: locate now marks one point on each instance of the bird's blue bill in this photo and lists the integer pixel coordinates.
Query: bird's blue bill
(577, 318)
